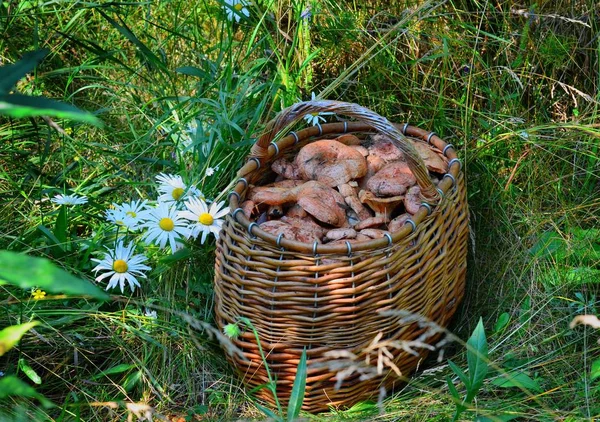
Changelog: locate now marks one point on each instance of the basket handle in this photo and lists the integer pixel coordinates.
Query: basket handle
(289, 116)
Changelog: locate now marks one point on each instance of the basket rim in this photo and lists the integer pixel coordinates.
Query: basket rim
(448, 182)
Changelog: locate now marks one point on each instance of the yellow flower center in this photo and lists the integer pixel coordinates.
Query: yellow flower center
(131, 214)
(166, 224)
(119, 223)
(206, 219)
(238, 6)
(120, 266)
(315, 114)
(177, 193)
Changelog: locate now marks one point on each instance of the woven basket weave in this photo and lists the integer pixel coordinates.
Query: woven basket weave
(344, 301)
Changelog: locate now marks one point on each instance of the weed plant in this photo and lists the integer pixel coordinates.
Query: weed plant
(181, 89)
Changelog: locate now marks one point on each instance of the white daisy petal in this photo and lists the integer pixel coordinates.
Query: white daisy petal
(69, 199)
(121, 265)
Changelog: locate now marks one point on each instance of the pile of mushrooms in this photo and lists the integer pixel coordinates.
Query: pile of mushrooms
(342, 189)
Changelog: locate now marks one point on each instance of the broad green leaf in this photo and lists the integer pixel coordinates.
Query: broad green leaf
(297, 395)
(29, 371)
(117, 369)
(477, 353)
(27, 271)
(595, 372)
(502, 322)
(548, 244)
(459, 372)
(13, 386)
(517, 379)
(10, 74)
(20, 106)
(11, 335)
(60, 228)
(131, 380)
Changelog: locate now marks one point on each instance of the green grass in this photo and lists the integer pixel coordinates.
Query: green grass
(515, 90)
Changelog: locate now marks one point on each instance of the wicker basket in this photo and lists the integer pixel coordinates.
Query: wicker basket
(345, 304)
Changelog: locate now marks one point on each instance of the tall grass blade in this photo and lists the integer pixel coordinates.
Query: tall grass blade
(10, 74)
(21, 106)
(298, 389)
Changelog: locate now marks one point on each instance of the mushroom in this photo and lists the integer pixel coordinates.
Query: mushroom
(275, 211)
(412, 200)
(353, 201)
(364, 152)
(383, 207)
(374, 164)
(330, 162)
(383, 148)
(371, 222)
(374, 233)
(348, 139)
(398, 222)
(306, 229)
(277, 193)
(433, 161)
(337, 234)
(248, 208)
(296, 211)
(322, 202)
(277, 227)
(391, 180)
(284, 168)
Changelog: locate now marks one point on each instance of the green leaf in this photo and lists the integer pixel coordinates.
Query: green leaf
(131, 380)
(11, 335)
(10, 74)
(20, 106)
(29, 371)
(26, 272)
(548, 244)
(297, 395)
(51, 236)
(502, 322)
(477, 353)
(517, 379)
(193, 71)
(268, 413)
(118, 369)
(453, 390)
(595, 372)
(60, 228)
(463, 377)
(13, 386)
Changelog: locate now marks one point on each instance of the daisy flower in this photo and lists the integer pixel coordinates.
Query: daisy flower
(205, 220)
(164, 225)
(210, 171)
(235, 9)
(69, 199)
(316, 117)
(122, 265)
(171, 187)
(149, 313)
(119, 218)
(127, 214)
